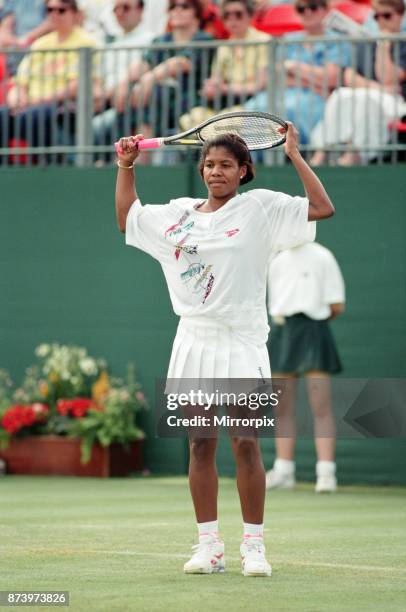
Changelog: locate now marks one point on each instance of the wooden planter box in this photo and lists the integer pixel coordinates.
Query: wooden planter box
(59, 456)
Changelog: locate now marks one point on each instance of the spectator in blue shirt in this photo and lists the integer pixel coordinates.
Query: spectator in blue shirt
(307, 72)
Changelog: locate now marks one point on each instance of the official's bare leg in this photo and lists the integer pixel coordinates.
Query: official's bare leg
(319, 392)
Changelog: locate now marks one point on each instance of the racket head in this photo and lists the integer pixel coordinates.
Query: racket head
(258, 130)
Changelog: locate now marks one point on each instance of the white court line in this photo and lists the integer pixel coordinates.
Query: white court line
(280, 562)
(133, 553)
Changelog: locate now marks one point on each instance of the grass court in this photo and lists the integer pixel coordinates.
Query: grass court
(120, 544)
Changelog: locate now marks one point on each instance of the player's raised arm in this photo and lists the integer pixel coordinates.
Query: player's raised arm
(127, 153)
(320, 205)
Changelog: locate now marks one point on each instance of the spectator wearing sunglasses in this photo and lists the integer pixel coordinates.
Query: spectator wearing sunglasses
(118, 63)
(307, 72)
(374, 94)
(46, 82)
(159, 88)
(372, 26)
(185, 26)
(238, 72)
(115, 64)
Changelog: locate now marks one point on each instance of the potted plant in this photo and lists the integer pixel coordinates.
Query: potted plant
(70, 417)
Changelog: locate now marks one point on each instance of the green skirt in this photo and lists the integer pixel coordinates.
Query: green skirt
(302, 344)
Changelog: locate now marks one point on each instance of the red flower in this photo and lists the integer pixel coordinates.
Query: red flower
(76, 407)
(27, 416)
(78, 412)
(17, 417)
(63, 406)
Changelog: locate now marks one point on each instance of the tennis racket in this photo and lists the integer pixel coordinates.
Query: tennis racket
(258, 130)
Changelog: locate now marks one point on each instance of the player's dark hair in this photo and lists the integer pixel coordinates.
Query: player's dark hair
(237, 147)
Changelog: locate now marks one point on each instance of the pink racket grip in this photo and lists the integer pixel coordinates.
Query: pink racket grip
(147, 143)
(150, 143)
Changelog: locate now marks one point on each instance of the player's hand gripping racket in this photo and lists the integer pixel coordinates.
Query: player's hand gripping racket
(258, 130)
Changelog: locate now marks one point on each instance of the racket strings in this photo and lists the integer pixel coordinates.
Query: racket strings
(257, 132)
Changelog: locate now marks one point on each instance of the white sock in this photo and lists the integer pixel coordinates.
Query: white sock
(211, 528)
(325, 468)
(284, 466)
(251, 530)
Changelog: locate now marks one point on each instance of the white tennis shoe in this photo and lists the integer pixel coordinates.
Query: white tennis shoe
(326, 484)
(326, 481)
(207, 559)
(276, 479)
(253, 558)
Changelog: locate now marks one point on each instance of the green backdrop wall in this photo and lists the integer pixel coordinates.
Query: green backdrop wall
(66, 276)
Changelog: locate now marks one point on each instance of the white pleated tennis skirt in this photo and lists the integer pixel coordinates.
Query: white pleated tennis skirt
(208, 349)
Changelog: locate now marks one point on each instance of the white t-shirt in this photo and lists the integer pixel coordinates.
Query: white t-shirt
(115, 64)
(215, 264)
(305, 279)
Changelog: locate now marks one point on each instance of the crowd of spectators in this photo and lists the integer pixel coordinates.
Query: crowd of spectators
(147, 77)
(374, 94)
(309, 72)
(45, 80)
(139, 87)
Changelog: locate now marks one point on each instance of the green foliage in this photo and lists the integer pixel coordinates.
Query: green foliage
(114, 423)
(6, 386)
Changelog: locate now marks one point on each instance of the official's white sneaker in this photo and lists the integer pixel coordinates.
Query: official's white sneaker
(275, 479)
(326, 484)
(208, 558)
(253, 558)
(326, 477)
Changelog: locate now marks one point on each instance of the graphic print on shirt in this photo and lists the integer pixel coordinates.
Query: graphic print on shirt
(186, 248)
(190, 273)
(177, 228)
(231, 233)
(197, 276)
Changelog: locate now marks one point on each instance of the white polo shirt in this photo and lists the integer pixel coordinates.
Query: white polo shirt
(305, 279)
(216, 264)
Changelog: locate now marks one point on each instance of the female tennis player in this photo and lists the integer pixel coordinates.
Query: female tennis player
(214, 254)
